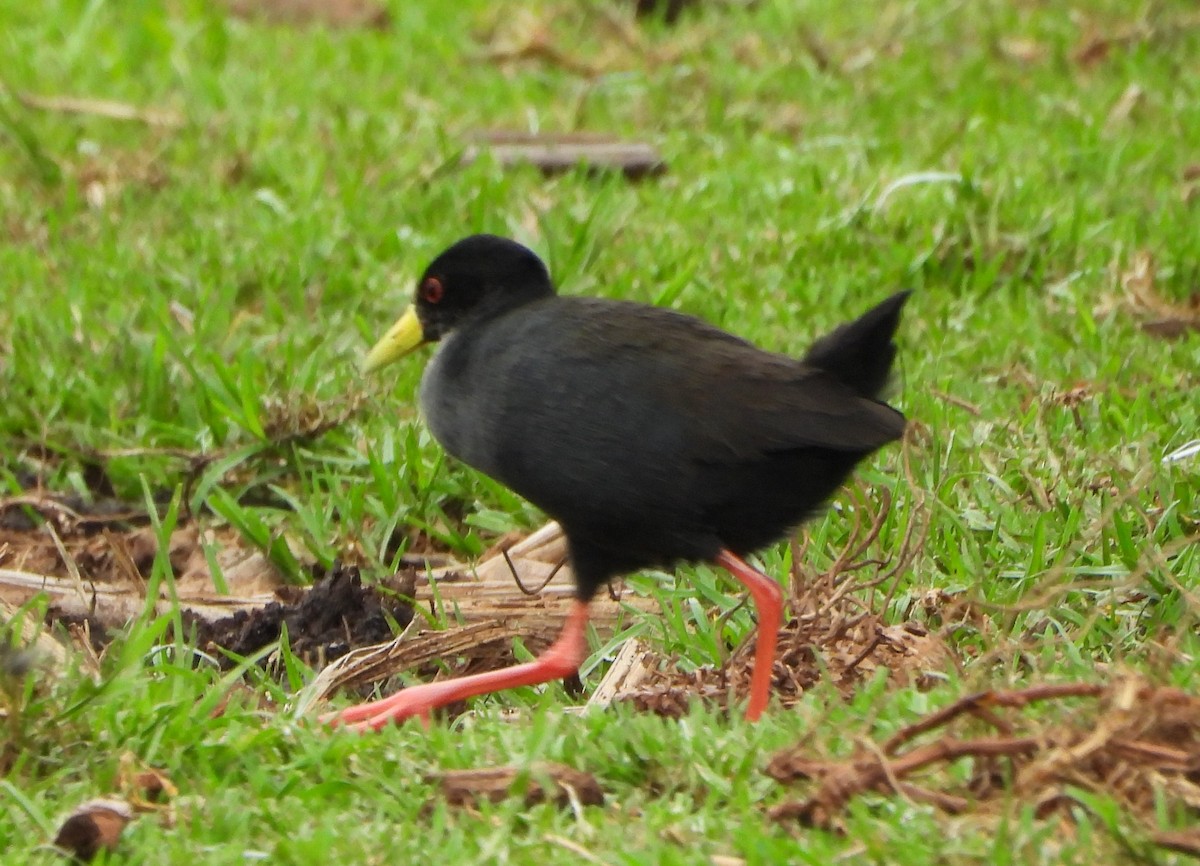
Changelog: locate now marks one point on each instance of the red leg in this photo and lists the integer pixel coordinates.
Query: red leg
(560, 660)
(768, 600)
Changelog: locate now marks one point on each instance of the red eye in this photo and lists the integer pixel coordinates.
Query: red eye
(432, 290)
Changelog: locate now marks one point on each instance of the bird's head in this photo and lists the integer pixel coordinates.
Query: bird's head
(480, 276)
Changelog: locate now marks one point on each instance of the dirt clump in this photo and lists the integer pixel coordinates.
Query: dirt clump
(323, 623)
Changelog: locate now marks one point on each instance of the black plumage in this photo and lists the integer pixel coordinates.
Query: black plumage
(650, 435)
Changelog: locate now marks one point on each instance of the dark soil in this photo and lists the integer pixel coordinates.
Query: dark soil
(323, 623)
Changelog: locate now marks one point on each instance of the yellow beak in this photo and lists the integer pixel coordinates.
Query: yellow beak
(403, 337)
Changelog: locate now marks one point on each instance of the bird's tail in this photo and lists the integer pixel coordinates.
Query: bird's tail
(860, 353)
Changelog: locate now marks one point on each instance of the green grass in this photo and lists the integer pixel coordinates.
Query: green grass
(209, 288)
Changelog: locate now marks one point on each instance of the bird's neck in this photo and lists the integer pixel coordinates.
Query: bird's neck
(494, 304)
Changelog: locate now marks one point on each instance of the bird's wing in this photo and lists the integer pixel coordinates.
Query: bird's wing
(743, 405)
(732, 400)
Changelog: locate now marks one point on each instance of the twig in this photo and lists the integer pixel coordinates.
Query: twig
(866, 651)
(41, 504)
(521, 584)
(575, 848)
(965, 405)
(991, 698)
(842, 782)
(1163, 757)
(948, 803)
(1182, 841)
(102, 108)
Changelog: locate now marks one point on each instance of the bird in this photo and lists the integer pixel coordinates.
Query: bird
(651, 436)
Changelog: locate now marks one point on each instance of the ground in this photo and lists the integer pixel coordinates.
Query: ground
(208, 211)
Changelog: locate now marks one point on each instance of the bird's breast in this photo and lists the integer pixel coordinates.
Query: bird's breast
(457, 403)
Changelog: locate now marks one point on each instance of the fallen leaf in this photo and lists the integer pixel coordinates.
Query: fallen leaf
(1170, 329)
(146, 789)
(1022, 49)
(1093, 51)
(1161, 316)
(330, 13)
(93, 827)
(543, 782)
(1138, 279)
(1124, 107)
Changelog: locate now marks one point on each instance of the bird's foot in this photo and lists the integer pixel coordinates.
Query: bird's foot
(563, 658)
(373, 715)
